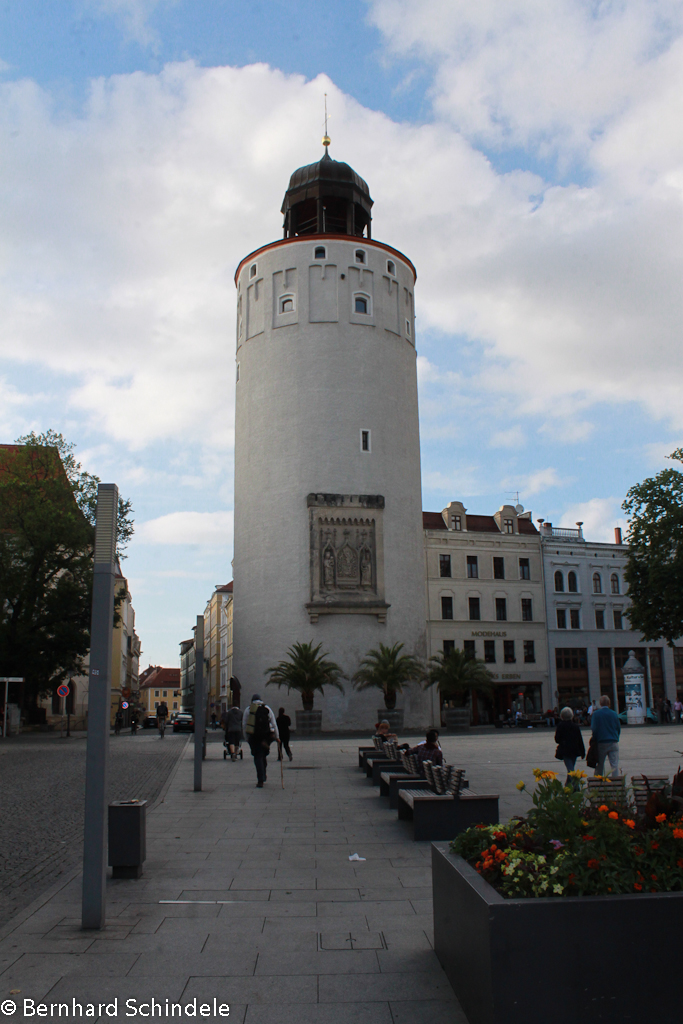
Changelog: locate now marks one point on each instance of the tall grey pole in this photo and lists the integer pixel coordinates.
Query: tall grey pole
(99, 700)
(199, 712)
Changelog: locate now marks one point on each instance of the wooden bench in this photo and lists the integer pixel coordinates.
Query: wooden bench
(442, 815)
(365, 751)
(644, 785)
(607, 791)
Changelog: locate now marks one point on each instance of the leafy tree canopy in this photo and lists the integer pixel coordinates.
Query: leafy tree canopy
(46, 548)
(455, 672)
(388, 670)
(306, 670)
(654, 570)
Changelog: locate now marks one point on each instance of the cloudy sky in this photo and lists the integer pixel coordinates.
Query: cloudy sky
(525, 154)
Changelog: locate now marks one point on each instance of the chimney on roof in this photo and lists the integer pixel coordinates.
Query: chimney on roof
(617, 535)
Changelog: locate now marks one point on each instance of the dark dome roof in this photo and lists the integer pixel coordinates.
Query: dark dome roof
(327, 169)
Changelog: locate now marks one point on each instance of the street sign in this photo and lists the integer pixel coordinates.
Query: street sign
(124, 704)
(63, 690)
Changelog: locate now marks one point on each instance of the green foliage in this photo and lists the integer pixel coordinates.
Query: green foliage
(305, 671)
(387, 670)
(654, 571)
(83, 484)
(568, 847)
(455, 673)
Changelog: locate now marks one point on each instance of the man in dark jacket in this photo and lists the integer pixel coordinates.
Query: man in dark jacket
(606, 729)
(283, 723)
(260, 728)
(569, 741)
(430, 750)
(232, 723)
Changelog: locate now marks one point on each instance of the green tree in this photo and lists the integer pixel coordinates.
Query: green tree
(46, 548)
(455, 673)
(654, 571)
(387, 670)
(305, 671)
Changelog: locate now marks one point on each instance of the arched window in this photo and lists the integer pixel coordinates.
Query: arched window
(571, 583)
(320, 253)
(597, 583)
(559, 582)
(253, 269)
(287, 304)
(391, 268)
(614, 583)
(360, 256)
(361, 304)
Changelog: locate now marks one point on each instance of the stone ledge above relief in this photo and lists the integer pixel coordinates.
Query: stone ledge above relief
(378, 608)
(345, 500)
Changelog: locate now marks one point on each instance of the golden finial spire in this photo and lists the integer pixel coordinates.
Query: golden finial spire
(326, 138)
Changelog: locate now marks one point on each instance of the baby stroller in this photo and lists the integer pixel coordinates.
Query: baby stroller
(226, 752)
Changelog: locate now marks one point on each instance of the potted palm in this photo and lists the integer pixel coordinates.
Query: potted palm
(306, 670)
(388, 670)
(456, 674)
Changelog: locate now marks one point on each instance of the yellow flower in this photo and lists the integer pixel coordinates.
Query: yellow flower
(520, 786)
(548, 775)
(567, 789)
(538, 772)
(577, 774)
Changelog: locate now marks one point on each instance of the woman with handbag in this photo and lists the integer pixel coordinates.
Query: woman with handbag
(569, 741)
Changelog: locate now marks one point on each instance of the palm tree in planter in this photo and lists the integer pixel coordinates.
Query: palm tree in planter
(388, 670)
(455, 673)
(305, 671)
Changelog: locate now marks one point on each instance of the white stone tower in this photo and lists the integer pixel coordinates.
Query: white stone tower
(328, 508)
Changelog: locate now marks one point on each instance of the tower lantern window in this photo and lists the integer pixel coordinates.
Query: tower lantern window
(360, 256)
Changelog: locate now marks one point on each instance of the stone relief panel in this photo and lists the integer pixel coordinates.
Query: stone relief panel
(346, 555)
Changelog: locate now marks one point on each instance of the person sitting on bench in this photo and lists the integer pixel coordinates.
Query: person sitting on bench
(383, 732)
(429, 750)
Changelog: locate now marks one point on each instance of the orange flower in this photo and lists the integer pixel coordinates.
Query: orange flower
(660, 817)
(654, 846)
(593, 863)
(678, 833)
(653, 877)
(637, 885)
(614, 815)
(631, 824)
(603, 807)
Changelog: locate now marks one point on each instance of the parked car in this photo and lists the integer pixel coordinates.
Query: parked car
(150, 720)
(184, 722)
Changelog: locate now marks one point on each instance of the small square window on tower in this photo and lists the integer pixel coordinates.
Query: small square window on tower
(365, 441)
(361, 304)
(360, 256)
(391, 268)
(320, 253)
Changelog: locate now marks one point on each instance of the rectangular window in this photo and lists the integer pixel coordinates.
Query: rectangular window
(499, 568)
(164, 693)
(529, 652)
(475, 612)
(469, 648)
(472, 567)
(509, 651)
(509, 526)
(175, 705)
(524, 570)
(599, 618)
(561, 618)
(446, 607)
(457, 522)
(618, 622)
(448, 645)
(574, 618)
(365, 440)
(501, 609)
(489, 650)
(527, 610)
(567, 658)
(444, 566)
(156, 703)
(156, 693)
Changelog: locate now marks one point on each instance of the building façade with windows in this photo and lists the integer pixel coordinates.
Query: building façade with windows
(589, 634)
(485, 595)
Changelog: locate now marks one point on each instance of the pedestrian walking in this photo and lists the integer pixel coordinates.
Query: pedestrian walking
(214, 720)
(606, 729)
(569, 741)
(260, 728)
(232, 723)
(284, 724)
(667, 711)
(678, 708)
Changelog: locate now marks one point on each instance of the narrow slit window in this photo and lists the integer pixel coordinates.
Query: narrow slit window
(360, 256)
(365, 440)
(253, 270)
(391, 268)
(238, 372)
(408, 332)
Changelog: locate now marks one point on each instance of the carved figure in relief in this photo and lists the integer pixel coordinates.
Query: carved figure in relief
(347, 561)
(365, 567)
(328, 568)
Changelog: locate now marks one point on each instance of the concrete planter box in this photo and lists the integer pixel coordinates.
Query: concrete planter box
(457, 718)
(394, 718)
(308, 722)
(573, 960)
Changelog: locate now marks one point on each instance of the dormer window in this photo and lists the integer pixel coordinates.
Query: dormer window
(456, 522)
(287, 304)
(253, 270)
(360, 256)
(320, 253)
(361, 304)
(391, 268)
(509, 526)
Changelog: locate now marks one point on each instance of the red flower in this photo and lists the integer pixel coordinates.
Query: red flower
(660, 817)
(653, 877)
(593, 863)
(587, 839)
(654, 846)
(613, 814)
(637, 885)
(678, 833)
(679, 862)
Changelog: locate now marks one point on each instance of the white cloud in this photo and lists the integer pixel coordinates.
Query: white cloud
(599, 517)
(530, 484)
(134, 16)
(213, 529)
(510, 437)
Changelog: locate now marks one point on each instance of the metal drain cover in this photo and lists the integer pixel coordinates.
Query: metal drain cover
(303, 768)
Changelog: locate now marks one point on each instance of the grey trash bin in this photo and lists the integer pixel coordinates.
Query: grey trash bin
(127, 837)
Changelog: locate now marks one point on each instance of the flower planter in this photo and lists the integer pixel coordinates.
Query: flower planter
(565, 960)
(308, 722)
(457, 718)
(394, 718)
